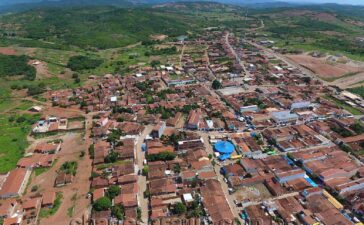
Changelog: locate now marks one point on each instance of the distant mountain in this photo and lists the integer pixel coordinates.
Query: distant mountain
(23, 5)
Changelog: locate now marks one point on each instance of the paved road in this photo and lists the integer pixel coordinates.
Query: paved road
(142, 182)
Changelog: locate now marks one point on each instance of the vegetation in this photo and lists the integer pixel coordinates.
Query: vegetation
(49, 212)
(102, 204)
(11, 65)
(145, 170)
(179, 208)
(321, 29)
(358, 91)
(112, 157)
(343, 105)
(216, 84)
(162, 51)
(78, 63)
(118, 211)
(113, 191)
(85, 27)
(13, 132)
(69, 167)
(164, 156)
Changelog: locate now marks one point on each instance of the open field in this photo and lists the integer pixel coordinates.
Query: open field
(324, 69)
(13, 139)
(7, 51)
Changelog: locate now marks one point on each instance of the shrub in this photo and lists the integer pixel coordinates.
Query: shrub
(79, 63)
(102, 204)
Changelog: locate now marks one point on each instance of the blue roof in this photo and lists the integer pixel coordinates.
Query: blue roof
(224, 147)
(224, 157)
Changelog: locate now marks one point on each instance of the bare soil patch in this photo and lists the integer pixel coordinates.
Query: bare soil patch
(41, 67)
(352, 81)
(62, 112)
(7, 51)
(323, 68)
(255, 192)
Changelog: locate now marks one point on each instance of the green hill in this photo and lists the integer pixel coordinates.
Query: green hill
(99, 27)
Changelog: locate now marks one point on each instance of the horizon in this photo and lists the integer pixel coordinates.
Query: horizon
(346, 2)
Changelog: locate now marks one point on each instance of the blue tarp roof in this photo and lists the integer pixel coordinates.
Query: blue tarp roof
(224, 147)
(224, 157)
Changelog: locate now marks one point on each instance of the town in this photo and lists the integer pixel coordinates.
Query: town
(229, 132)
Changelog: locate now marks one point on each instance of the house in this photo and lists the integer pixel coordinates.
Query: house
(284, 117)
(47, 148)
(127, 179)
(158, 130)
(48, 199)
(213, 196)
(31, 209)
(194, 118)
(35, 161)
(15, 183)
(7, 208)
(162, 187)
(63, 179)
(12, 221)
(127, 200)
(249, 108)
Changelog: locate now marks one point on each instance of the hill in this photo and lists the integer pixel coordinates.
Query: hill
(90, 27)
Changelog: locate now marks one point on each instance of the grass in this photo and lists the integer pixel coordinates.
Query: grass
(107, 165)
(40, 170)
(44, 213)
(358, 91)
(12, 141)
(70, 211)
(343, 105)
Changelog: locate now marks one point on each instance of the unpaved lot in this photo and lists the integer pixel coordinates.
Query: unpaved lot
(7, 51)
(323, 68)
(255, 192)
(74, 195)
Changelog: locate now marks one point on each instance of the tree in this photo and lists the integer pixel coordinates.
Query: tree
(102, 204)
(118, 212)
(176, 168)
(155, 63)
(307, 80)
(139, 213)
(113, 191)
(145, 170)
(79, 63)
(163, 156)
(112, 157)
(216, 84)
(179, 208)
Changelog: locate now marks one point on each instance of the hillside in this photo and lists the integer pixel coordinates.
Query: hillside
(92, 27)
(326, 28)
